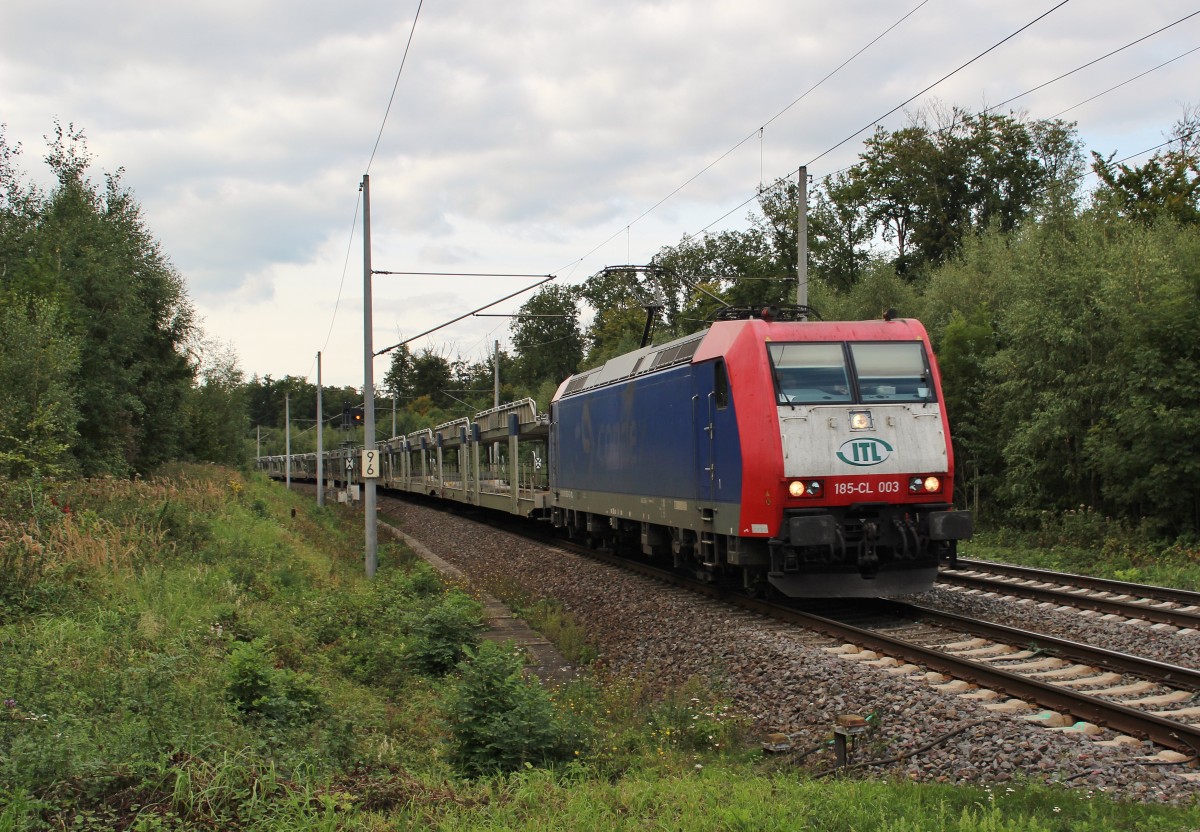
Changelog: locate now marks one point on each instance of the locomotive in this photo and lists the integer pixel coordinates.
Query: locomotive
(808, 458)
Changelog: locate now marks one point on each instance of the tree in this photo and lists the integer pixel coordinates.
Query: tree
(546, 336)
(397, 381)
(1059, 153)
(265, 408)
(1145, 447)
(966, 346)
(839, 232)
(1168, 185)
(924, 189)
(87, 252)
(432, 376)
(215, 410)
(38, 411)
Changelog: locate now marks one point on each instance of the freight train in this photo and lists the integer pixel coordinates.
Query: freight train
(800, 457)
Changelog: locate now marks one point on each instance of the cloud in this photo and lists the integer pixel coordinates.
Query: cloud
(524, 136)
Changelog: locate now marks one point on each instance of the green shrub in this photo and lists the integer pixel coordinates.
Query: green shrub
(442, 634)
(257, 687)
(499, 719)
(378, 660)
(423, 580)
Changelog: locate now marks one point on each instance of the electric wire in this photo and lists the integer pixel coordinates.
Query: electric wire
(751, 135)
(547, 279)
(776, 183)
(758, 131)
(1123, 83)
(786, 177)
(1096, 61)
(801, 97)
(396, 85)
(1159, 146)
(345, 267)
(950, 74)
(358, 202)
(955, 123)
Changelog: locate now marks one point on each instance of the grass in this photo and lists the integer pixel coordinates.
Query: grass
(200, 650)
(1084, 542)
(720, 799)
(552, 620)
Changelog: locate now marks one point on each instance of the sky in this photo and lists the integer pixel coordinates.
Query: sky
(524, 137)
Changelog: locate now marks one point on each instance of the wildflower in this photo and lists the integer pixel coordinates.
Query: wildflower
(699, 767)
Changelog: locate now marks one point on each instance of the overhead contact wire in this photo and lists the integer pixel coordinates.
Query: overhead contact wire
(345, 268)
(1126, 81)
(783, 179)
(1097, 60)
(954, 124)
(755, 132)
(848, 138)
(950, 74)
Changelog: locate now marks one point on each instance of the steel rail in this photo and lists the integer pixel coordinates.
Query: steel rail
(1108, 606)
(1162, 672)
(1159, 730)
(1157, 593)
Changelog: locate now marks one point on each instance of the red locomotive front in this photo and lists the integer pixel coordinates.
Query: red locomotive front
(847, 463)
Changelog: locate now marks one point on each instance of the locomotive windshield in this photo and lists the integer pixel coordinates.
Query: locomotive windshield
(808, 373)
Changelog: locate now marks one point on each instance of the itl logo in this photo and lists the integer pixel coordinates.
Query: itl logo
(864, 451)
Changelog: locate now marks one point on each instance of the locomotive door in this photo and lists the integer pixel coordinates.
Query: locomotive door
(709, 402)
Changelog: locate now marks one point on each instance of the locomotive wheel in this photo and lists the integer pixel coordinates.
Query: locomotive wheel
(755, 585)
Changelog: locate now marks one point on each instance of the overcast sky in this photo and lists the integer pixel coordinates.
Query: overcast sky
(524, 137)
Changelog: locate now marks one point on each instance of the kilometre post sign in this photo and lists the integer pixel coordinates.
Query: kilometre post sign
(370, 464)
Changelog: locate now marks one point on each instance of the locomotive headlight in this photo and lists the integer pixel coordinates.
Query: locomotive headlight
(926, 484)
(806, 488)
(861, 420)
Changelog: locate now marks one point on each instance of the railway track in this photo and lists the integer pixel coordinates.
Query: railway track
(1159, 605)
(1076, 686)
(1054, 682)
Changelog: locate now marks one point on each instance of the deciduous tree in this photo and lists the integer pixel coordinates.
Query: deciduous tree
(547, 337)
